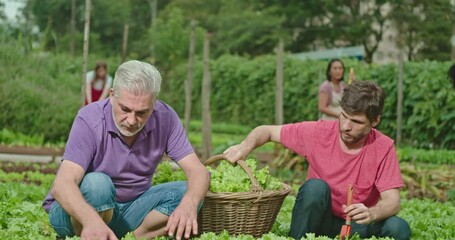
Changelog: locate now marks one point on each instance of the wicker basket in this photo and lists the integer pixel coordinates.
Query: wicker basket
(252, 212)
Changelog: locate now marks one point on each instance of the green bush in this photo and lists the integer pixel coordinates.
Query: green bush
(426, 156)
(243, 93)
(40, 93)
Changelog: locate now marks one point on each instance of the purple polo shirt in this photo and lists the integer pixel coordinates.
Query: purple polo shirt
(96, 145)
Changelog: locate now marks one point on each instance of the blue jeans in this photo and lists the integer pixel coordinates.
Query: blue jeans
(312, 213)
(99, 191)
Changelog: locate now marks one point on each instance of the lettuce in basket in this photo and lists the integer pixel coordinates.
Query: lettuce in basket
(224, 178)
(228, 178)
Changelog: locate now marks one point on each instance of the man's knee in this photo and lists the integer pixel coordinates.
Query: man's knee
(397, 228)
(98, 190)
(172, 194)
(314, 190)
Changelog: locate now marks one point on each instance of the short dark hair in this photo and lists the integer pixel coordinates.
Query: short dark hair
(451, 74)
(363, 97)
(327, 72)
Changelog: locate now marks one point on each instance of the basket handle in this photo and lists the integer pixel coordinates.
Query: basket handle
(255, 187)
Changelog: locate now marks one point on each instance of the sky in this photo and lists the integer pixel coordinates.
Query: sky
(11, 7)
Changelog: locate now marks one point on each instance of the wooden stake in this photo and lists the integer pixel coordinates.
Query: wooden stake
(153, 10)
(73, 26)
(400, 98)
(85, 53)
(279, 83)
(125, 41)
(206, 88)
(189, 79)
(279, 78)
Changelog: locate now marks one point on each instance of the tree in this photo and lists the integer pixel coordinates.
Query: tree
(407, 17)
(2, 11)
(419, 36)
(108, 18)
(171, 40)
(238, 26)
(356, 22)
(436, 30)
(304, 23)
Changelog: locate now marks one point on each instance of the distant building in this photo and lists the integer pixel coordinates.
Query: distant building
(387, 51)
(347, 52)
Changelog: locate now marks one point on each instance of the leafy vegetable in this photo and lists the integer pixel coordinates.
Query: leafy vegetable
(224, 178)
(23, 218)
(228, 178)
(164, 173)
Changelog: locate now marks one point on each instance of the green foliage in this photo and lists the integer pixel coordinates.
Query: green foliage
(40, 94)
(2, 12)
(106, 31)
(224, 178)
(243, 93)
(429, 219)
(44, 180)
(360, 18)
(164, 173)
(426, 156)
(128, 236)
(172, 50)
(220, 127)
(23, 218)
(283, 219)
(246, 27)
(11, 138)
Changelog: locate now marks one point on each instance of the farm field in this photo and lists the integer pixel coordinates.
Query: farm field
(225, 68)
(428, 202)
(22, 217)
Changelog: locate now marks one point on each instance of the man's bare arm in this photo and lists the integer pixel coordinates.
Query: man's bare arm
(183, 221)
(387, 206)
(67, 193)
(258, 137)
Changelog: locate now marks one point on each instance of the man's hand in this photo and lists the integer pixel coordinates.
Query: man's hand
(359, 213)
(183, 221)
(236, 152)
(97, 231)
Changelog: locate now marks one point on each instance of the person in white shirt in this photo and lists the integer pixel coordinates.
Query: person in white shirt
(97, 84)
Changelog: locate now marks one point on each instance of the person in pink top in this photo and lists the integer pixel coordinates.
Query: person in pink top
(340, 152)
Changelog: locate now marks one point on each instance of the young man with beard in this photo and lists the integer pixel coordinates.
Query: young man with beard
(103, 190)
(340, 152)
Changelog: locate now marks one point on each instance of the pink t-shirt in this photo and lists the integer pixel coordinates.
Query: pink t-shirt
(373, 170)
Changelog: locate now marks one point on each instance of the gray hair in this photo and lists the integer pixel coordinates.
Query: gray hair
(138, 78)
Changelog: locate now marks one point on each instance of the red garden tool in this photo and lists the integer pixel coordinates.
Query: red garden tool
(346, 228)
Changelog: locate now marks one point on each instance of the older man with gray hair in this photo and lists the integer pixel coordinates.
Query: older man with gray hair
(103, 186)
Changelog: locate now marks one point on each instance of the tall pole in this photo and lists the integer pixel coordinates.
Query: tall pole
(452, 39)
(205, 95)
(73, 26)
(189, 79)
(279, 76)
(153, 10)
(125, 41)
(400, 98)
(279, 83)
(85, 53)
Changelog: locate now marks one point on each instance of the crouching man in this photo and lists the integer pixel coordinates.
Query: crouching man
(103, 186)
(340, 152)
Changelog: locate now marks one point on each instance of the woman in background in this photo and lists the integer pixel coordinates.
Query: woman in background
(97, 84)
(451, 74)
(331, 91)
